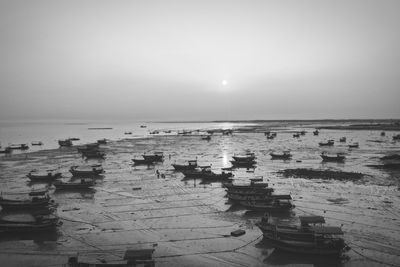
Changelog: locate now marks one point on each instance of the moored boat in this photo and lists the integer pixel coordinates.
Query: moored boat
(19, 146)
(48, 175)
(82, 184)
(156, 156)
(328, 143)
(354, 145)
(86, 171)
(5, 150)
(338, 158)
(279, 203)
(28, 223)
(36, 143)
(204, 172)
(285, 155)
(192, 164)
(30, 203)
(342, 139)
(102, 141)
(65, 142)
(316, 132)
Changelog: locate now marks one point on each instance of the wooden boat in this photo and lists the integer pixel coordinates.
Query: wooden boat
(316, 132)
(102, 141)
(82, 184)
(128, 133)
(93, 154)
(204, 172)
(207, 138)
(255, 183)
(354, 145)
(192, 164)
(259, 195)
(156, 156)
(396, 137)
(267, 133)
(36, 143)
(383, 133)
(49, 175)
(342, 140)
(143, 126)
(155, 132)
(74, 139)
(296, 135)
(285, 155)
(143, 161)
(31, 203)
(243, 164)
(65, 142)
(86, 171)
(280, 203)
(6, 150)
(291, 232)
(19, 146)
(28, 223)
(303, 132)
(270, 137)
(338, 158)
(248, 157)
(321, 240)
(328, 143)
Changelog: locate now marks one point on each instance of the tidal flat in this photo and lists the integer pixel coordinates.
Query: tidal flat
(188, 222)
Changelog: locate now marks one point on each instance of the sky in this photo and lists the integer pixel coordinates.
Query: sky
(199, 60)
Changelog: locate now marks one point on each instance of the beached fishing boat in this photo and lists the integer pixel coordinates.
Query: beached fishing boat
(204, 172)
(258, 195)
(291, 232)
(354, 145)
(243, 164)
(342, 139)
(328, 143)
(192, 164)
(249, 156)
(128, 133)
(296, 135)
(270, 137)
(86, 171)
(82, 184)
(316, 132)
(156, 156)
(48, 175)
(207, 138)
(255, 183)
(279, 203)
(303, 132)
(320, 240)
(93, 154)
(102, 141)
(33, 202)
(65, 142)
(18, 147)
(338, 158)
(36, 143)
(16, 223)
(143, 161)
(285, 155)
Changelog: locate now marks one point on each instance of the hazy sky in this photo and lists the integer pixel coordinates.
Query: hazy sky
(167, 60)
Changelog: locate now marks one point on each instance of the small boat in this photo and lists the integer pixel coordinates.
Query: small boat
(285, 155)
(36, 143)
(156, 156)
(86, 171)
(82, 184)
(354, 145)
(280, 203)
(6, 150)
(102, 141)
(303, 132)
(243, 164)
(249, 156)
(270, 137)
(19, 146)
(28, 223)
(128, 133)
(65, 142)
(255, 183)
(321, 240)
(328, 143)
(291, 232)
(338, 158)
(93, 154)
(342, 140)
(267, 133)
(192, 164)
(155, 132)
(208, 138)
(143, 161)
(49, 175)
(296, 135)
(396, 137)
(316, 132)
(383, 133)
(227, 132)
(204, 172)
(33, 202)
(143, 126)
(74, 139)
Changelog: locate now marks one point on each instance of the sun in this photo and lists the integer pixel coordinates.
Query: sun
(224, 82)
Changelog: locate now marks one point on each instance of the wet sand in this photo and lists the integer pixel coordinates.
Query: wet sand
(189, 223)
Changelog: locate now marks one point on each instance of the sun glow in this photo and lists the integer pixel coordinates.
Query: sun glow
(224, 82)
